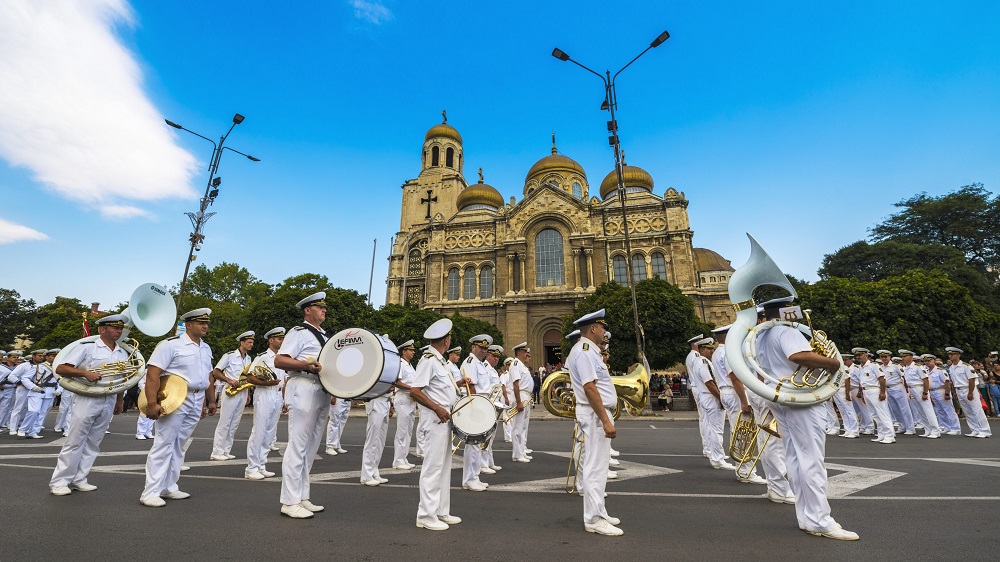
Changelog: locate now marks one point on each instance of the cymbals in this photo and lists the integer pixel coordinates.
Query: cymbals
(173, 391)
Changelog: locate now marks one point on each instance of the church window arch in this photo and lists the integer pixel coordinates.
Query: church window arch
(577, 190)
(435, 156)
(659, 264)
(486, 282)
(453, 284)
(619, 270)
(469, 283)
(449, 157)
(549, 270)
(638, 267)
(415, 263)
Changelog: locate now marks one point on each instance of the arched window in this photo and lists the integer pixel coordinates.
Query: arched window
(486, 282)
(549, 259)
(469, 283)
(659, 265)
(620, 270)
(435, 156)
(416, 264)
(449, 157)
(577, 190)
(453, 284)
(711, 279)
(638, 268)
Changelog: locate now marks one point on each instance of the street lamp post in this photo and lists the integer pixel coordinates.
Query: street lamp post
(199, 219)
(611, 104)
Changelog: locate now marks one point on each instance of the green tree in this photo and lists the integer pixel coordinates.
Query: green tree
(227, 282)
(667, 316)
(967, 219)
(47, 317)
(63, 334)
(15, 316)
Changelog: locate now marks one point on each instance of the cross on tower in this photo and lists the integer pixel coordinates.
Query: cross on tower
(429, 200)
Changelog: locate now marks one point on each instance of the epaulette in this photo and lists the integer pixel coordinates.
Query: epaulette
(87, 342)
(469, 360)
(262, 353)
(428, 355)
(173, 338)
(513, 363)
(298, 328)
(586, 346)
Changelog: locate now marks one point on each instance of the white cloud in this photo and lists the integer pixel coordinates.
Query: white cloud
(11, 232)
(372, 12)
(73, 111)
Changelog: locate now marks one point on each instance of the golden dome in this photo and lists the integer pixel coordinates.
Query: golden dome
(555, 162)
(480, 194)
(709, 260)
(632, 176)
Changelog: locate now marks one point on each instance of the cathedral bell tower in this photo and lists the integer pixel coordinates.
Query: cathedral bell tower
(436, 189)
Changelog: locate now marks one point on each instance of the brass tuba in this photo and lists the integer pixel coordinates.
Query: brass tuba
(259, 371)
(632, 389)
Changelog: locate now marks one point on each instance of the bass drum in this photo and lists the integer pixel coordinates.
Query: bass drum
(474, 419)
(358, 364)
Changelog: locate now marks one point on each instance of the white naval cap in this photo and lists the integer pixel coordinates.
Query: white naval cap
(279, 331)
(721, 329)
(3, 353)
(508, 361)
(456, 349)
(408, 344)
(596, 317)
(113, 320)
(846, 356)
(857, 350)
(197, 315)
(696, 338)
(705, 342)
(883, 352)
(897, 359)
(607, 336)
(905, 352)
(573, 334)
(438, 330)
(927, 356)
(522, 345)
(495, 350)
(15, 353)
(482, 340)
(53, 351)
(425, 348)
(249, 334)
(315, 299)
(954, 350)
(38, 352)
(780, 301)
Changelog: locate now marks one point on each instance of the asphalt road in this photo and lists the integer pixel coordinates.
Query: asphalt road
(916, 500)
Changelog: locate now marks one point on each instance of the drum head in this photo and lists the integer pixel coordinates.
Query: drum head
(356, 360)
(476, 418)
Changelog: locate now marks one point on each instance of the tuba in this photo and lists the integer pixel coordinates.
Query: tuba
(632, 389)
(152, 311)
(801, 388)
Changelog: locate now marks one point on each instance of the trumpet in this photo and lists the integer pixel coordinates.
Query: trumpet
(509, 413)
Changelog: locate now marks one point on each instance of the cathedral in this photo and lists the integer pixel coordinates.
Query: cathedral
(525, 264)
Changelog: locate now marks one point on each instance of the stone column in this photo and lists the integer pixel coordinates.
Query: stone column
(478, 278)
(510, 274)
(590, 267)
(521, 260)
(575, 258)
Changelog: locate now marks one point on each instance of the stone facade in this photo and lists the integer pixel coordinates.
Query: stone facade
(524, 265)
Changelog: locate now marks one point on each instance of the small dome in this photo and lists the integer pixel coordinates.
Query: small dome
(443, 130)
(480, 194)
(555, 162)
(632, 176)
(709, 260)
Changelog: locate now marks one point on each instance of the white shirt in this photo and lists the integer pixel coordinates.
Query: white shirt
(893, 374)
(231, 364)
(434, 379)
(180, 356)
(776, 345)
(300, 344)
(721, 367)
(701, 374)
(456, 373)
(586, 365)
(39, 376)
(91, 355)
(406, 375)
(267, 358)
(855, 373)
(22, 371)
(960, 375)
(914, 375)
(525, 383)
(937, 376)
(475, 370)
(869, 375)
(689, 361)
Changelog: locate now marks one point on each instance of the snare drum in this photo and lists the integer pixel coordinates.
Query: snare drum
(474, 419)
(358, 364)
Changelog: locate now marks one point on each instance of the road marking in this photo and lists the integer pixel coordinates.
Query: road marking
(975, 462)
(651, 426)
(56, 455)
(854, 479)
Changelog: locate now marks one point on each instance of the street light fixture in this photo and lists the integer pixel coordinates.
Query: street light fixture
(611, 104)
(199, 219)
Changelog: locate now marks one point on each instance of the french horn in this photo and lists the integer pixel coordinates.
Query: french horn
(801, 388)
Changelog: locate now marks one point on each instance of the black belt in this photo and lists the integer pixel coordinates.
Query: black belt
(53, 385)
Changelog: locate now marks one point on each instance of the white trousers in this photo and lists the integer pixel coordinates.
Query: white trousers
(508, 430)
(945, 410)
(486, 456)
(338, 419)
(163, 465)
(701, 423)
(230, 415)
(864, 413)
(65, 406)
(91, 417)
(804, 440)
(519, 433)
(925, 409)
(6, 404)
(712, 425)
(880, 411)
(266, 410)
(915, 410)
(39, 404)
(435, 471)
(593, 470)
(406, 413)
(848, 415)
(307, 408)
(975, 416)
(378, 427)
(17, 411)
(831, 416)
(472, 461)
(143, 425)
(897, 399)
(731, 402)
(422, 432)
(773, 456)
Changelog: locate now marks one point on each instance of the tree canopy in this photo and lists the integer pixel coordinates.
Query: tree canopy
(15, 316)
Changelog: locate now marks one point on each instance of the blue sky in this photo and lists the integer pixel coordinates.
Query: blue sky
(799, 122)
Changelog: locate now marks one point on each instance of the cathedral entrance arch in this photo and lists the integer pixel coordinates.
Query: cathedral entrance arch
(552, 343)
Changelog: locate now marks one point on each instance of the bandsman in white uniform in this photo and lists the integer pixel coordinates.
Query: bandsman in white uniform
(144, 425)
(339, 411)
(873, 388)
(229, 370)
(733, 396)
(19, 375)
(780, 351)
(689, 365)
(41, 394)
(595, 399)
(454, 355)
(896, 390)
(267, 402)
(91, 414)
(406, 408)
(378, 410)
(13, 385)
(190, 358)
(522, 386)
(845, 403)
(965, 380)
(474, 370)
(307, 405)
(6, 387)
(861, 408)
(705, 387)
(919, 386)
(487, 464)
(508, 392)
(944, 409)
(65, 408)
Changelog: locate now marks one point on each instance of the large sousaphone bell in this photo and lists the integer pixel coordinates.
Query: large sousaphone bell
(152, 311)
(794, 389)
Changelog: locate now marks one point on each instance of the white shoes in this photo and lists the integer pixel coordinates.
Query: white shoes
(218, 458)
(522, 459)
(406, 466)
(613, 520)
(953, 432)
(266, 473)
(185, 468)
(311, 506)
(496, 467)
(140, 437)
(602, 527)
(838, 534)
(529, 451)
(152, 502)
(296, 511)
(850, 435)
(273, 448)
(909, 432)
(614, 462)
(932, 435)
(61, 491)
(474, 487)
(450, 519)
(832, 431)
(487, 470)
(432, 525)
(980, 434)
(754, 478)
(331, 451)
(614, 453)
(371, 482)
(254, 475)
(19, 434)
(612, 475)
(83, 486)
(778, 498)
(723, 466)
(341, 450)
(230, 457)
(381, 480)
(176, 495)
